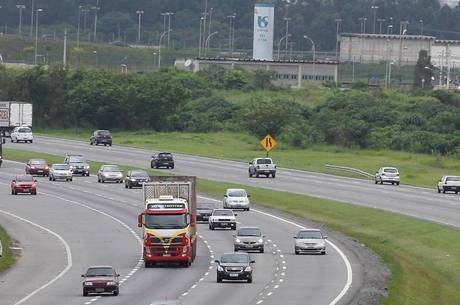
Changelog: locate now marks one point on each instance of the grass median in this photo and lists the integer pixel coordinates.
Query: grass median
(416, 169)
(7, 260)
(424, 258)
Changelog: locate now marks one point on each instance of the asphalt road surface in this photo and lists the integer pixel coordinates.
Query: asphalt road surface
(417, 202)
(69, 226)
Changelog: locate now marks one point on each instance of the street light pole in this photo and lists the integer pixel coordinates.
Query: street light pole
(36, 35)
(32, 8)
(96, 9)
(374, 8)
(159, 48)
(169, 28)
(139, 13)
(20, 7)
(233, 32)
(337, 21)
(78, 27)
(279, 44)
(380, 21)
(421, 26)
(287, 35)
(200, 43)
(207, 41)
(210, 21)
(313, 49)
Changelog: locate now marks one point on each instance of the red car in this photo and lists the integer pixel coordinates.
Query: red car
(37, 167)
(101, 279)
(24, 184)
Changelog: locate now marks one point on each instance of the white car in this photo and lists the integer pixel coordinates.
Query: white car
(110, 173)
(236, 199)
(387, 175)
(310, 241)
(262, 166)
(449, 184)
(60, 172)
(221, 218)
(22, 134)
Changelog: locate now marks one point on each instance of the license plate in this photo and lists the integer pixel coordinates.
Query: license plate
(233, 274)
(167, 254)
(40, 171)
(26, 190)
(249, 246)
(99, 289)
(224, 224)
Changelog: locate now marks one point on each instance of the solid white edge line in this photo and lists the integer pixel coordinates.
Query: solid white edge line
(67, 249)
(342, 255)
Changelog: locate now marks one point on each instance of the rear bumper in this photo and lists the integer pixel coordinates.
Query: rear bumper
(451, 188)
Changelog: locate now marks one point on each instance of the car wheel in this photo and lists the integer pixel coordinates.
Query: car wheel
(392, 183)
(297, 252)
(381, 181)
(397, 183)
(235, 249)
(50, 178)
(262, 250)
(443, 191)
(90, 142)
(211, 227)
(439, 191)
(257, 175)
(71, 179)
(250, 280)
(31, 141)
(12, 192)
(273, 175)
(248, 209)
(98, 180)
(250, 175)
(147, 264)
(116, 292)
(110, 144)
(323, 253)
(130, 186)
(234, 227)
(85, 293)
(34, 193)
(219, 279)
(126, 185)
(376, 181)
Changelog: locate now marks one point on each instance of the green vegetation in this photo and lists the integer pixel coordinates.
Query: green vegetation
(424, 258)
(417, 169)
(8, 259)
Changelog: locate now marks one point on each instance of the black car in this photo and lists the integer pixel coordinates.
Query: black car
(101, 137)
(235, 267)
(77, 164)
(136, 178)
(163, 159)
(203, 211)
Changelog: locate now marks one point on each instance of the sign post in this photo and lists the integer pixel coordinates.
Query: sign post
(268, 143)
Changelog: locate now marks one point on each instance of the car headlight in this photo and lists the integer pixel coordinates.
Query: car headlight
(132, 179)
(111, 284)
(219, 268)
(87, 166)
(260, 241)
(237, 240)
(88, 283)
(248, 269)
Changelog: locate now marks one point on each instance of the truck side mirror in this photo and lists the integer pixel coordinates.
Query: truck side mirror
(139, 220)
(3, 141)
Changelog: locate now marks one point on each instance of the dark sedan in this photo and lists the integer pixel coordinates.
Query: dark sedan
(135, 178)
(101, 137)
(37, 167)
(203, 211)
(234, 267)
(100, 279)
(163, 159)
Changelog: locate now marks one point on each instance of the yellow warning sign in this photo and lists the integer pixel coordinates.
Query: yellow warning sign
(268, 143)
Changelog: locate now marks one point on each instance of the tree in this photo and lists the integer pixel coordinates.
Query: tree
(423, 71)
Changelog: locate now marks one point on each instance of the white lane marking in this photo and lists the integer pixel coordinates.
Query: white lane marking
(342, 255)
(260, 302)
(67, 249)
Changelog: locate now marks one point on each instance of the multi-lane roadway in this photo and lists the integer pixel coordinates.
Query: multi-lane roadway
(70, 226)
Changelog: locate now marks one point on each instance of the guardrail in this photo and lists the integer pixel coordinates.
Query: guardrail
(349, 170)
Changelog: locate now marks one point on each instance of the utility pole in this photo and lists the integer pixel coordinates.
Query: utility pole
(36, 35)
(139, 13)
(64, 56)
(78, 27)
(32, 9)
(374, 8)
(233, 32)
(169, 28)
(210, 21)
(96, 9)
(380, 21)
(402, 32)
(421, 27)
(200, 43)
(20, 7)
(287, 35)
(337, 21)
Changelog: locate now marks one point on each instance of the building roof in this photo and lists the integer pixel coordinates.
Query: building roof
(249, 60)
(385, 36)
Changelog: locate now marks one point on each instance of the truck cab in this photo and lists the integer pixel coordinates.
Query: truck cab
(169, 222)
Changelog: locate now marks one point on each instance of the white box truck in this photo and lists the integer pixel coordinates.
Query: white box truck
(14, 114)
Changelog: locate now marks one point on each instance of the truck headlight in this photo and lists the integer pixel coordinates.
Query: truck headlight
(248, 269)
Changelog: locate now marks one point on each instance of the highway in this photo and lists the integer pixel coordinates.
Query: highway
(81, 223)
(417, 202)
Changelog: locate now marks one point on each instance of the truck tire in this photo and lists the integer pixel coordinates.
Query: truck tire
(147, 264)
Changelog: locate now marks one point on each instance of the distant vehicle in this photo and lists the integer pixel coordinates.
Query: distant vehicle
(387, 175)
(14, 114)
(109, 173)
(204, 211)
(249, 238)
(310, 241)
(262, 166)
(136, 178)
(449, 184)
(234, 267)
(22, 134)
(166, 302)
(221, 218)
(101, 279)
(24, 184)
(236, 199)
(78, 164)
(60, 172)
(119, 43)
(37, 167)
(163, 159)
(101, 137)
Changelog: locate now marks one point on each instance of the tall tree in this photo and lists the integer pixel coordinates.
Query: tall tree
(423, 71)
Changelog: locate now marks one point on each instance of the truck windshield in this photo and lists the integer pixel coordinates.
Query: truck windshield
(166, 221)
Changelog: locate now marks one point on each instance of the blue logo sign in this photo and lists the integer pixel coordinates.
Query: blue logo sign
(262, 21)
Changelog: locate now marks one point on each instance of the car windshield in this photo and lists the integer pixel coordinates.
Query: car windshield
(456, 179)
(310, 235)
(103, 133)
(60, 167)
(24, 130)
(24, 178)
(139, 174)
(222, 213)
(264, 161)
(77, 159)
(104, 271)
(237, 193)
(249, 232)
(234, 258)
(178, 221)
(390, 170)
(37, 162)
(111, 168)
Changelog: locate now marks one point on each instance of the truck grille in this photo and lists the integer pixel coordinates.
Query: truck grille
(165, 251)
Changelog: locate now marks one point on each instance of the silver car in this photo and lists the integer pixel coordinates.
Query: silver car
(236, 199)
(310, 241)
(449, 184)
(387, 175)
(109, 173)
(250, 239)
(60, 172)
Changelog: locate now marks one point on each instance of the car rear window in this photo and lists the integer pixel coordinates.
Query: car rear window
(237, 193)
(390, 170)
(165, 155)
(103, 133)
(139, 174)
(264, 161)
(24, 130)
(77, 159)
(453, 179)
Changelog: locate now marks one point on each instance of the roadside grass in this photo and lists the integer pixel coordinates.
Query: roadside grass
(424, 258)
(7, 260)
(415, 169)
